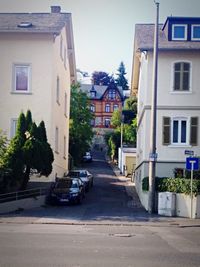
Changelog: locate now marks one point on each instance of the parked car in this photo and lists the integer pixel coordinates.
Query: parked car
(66, 190)
(84, 175)
(87, 157)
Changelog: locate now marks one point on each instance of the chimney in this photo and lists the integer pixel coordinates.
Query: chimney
(55, 9)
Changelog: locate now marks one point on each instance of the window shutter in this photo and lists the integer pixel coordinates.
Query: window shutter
(194, 131)
(166, 131)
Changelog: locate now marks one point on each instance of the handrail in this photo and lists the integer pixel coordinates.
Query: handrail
(13, 196)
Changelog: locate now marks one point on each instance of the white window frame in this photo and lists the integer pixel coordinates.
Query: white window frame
(107, 108)
(173, 76)
(192, 32)
(58, 90)
(185, 32)
(180, 119)
(65, 147)
(105, 122)
(65, 57)
(92, 107)
(13, 127)
(115, 107)
(65, 105)
(56, 140)
(18, 65)
(61, 47)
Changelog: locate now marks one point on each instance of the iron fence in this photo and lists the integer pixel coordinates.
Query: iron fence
(22, 194)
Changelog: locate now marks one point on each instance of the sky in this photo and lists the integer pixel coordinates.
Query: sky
(104, 29)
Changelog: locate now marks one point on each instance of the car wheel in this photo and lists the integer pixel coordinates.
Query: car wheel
(80, 199)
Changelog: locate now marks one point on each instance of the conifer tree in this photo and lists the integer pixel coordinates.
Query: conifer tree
(121, 80)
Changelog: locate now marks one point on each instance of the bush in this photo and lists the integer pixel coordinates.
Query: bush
(176, 185)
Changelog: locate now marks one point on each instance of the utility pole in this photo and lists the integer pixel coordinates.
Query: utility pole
(153, 155)
(121, 143)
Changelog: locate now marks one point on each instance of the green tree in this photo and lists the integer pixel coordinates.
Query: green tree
(100, 78)
(28, 150)
(121, 79)
(80, 130)
(3, 142)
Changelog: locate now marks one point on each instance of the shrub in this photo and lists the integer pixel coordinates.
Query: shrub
(176, 185)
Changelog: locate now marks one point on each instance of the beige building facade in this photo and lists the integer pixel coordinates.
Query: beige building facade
(36, 71)
(178, 94)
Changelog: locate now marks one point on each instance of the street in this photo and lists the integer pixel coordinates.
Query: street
(109, 229)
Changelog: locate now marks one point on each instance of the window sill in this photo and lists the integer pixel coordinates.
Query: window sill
(20, 93)
(180, 146)
(180, 92)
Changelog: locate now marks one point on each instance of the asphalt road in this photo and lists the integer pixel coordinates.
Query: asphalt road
(109, 229)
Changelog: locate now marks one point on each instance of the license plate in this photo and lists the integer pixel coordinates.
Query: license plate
(64, 200)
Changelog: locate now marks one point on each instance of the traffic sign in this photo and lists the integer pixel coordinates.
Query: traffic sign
(192, 163)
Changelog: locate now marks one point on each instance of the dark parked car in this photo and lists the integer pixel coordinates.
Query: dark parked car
(87, 157)
(66, 190)
(84, 175)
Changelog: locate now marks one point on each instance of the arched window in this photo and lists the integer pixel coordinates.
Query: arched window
(107, 108)
(115, 107)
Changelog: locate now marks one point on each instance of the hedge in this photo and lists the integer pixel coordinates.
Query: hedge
(176, 185)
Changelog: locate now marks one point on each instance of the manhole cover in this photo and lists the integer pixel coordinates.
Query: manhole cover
(122, 235)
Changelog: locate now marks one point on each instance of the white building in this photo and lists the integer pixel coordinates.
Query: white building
(37, 68)
(178, 103)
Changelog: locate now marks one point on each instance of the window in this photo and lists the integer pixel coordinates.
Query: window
(65, 57)
(92, 107)
(179, 32)
(56, 139)
(195, 32)
(180, 131)
(111, 94)
(182, 76)
(107, 122)
(13, 128)
(65, 105)
(107, 108)
(61, 47)
(92, 94)
(21, 78)
(58, 90)
(98, 121)
(64, 149)
(115, 107)
(92, 122)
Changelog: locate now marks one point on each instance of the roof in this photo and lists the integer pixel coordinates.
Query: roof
(100, 90)
(39, 22)
(144, 39)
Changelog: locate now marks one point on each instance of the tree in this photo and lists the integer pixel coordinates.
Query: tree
(121, 80)
(28, 150)
(3, 142)
(131, 104)
(100, 78)
(80, 130)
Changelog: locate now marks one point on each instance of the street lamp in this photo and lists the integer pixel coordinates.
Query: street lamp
(153, 155)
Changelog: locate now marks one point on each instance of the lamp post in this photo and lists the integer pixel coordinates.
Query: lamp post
(153, 155)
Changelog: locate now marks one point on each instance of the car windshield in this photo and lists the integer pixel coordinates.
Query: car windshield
(73, 174)
(83, 174)
(64, 184)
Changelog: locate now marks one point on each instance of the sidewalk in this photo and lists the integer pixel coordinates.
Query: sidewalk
(131, 191)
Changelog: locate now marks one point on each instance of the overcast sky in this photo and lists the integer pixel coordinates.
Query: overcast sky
(104, 29)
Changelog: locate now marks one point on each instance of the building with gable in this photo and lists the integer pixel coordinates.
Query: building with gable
(36, 71)
(104, 100)
(178, 94)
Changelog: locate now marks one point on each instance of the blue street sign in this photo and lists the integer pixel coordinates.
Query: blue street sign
(189, 152)
(192, 163)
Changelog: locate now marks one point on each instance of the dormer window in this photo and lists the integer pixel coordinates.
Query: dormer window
(195, 33)
(92, 94)
(179, 32)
